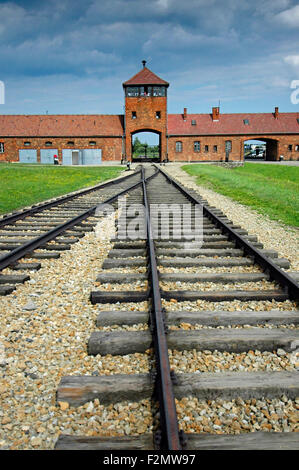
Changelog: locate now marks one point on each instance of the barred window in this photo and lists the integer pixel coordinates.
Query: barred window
(1, 147)
(196, 146)
(178, 146)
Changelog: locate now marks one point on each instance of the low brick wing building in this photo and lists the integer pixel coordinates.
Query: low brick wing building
(92, 139)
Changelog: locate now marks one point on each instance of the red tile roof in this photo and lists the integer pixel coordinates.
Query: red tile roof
(61, 125)
(112, 125)
(232, 124)
(145, 77)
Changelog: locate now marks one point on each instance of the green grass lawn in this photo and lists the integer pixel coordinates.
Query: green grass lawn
(270, 189)
(23, 185)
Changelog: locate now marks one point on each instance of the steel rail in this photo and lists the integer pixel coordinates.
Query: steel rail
(38, 242)
(170, 439)
(274, 272)
(43, 206)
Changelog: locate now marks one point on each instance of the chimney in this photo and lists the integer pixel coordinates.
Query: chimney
(276, 113)
(185, 114)
(216, 113)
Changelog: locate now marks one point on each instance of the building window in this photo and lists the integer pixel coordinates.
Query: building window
(290, 148)
(48, 144)
(158, 114)
(92, 142)
(159, 91)
(178, 146)
(215, 148)
(146, 91)
(297, 148)
(196, 146)
(1, 147)
(206, 148)
(228, 146)
(27, 144)
(246, 122)
(132, 91)
(134, 115)
(71, 142)
(193, 122)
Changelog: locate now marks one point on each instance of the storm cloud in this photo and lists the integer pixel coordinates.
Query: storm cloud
(72, 56)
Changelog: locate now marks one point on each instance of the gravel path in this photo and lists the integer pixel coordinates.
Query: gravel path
(238, 416)
(45, 325)
(272, 234)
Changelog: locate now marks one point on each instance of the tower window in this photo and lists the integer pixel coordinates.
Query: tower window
(158, 114)
(178, 146)
(159, 91)
(145, 91)
(1, 147)
(134, 115)
(196, 146)
(132, 91)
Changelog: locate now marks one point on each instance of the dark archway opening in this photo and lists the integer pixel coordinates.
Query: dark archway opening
(261, 149)
(146, 146)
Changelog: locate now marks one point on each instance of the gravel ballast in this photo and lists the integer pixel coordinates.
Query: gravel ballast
(272, 234)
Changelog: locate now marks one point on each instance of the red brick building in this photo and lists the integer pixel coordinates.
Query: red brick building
(91, 139)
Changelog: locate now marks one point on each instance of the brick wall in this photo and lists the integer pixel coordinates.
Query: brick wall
(111, 146)
(146, 120)
(276, 146)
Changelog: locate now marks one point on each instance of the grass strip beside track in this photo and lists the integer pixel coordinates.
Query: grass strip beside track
(271, 190)
(24, 185)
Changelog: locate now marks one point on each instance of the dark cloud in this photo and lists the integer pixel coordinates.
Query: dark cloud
(106, 40)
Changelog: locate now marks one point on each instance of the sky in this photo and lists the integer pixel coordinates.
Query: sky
(72, 56)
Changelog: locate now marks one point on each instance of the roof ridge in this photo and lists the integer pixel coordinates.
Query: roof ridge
(145, 77)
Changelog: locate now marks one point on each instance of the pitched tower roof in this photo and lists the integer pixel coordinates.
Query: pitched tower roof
(145, 77)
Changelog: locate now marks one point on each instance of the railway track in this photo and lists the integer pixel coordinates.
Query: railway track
(219, 296)
(45, 230)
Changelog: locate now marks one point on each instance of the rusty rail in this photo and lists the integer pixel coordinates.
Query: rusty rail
(169, 431)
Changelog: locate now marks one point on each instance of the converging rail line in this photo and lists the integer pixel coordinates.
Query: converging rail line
(225, 259)
(64, 219)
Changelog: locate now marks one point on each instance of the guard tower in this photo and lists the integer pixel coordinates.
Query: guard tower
(145, 108)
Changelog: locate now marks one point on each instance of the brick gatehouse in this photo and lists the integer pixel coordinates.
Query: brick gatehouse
(91, 139)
